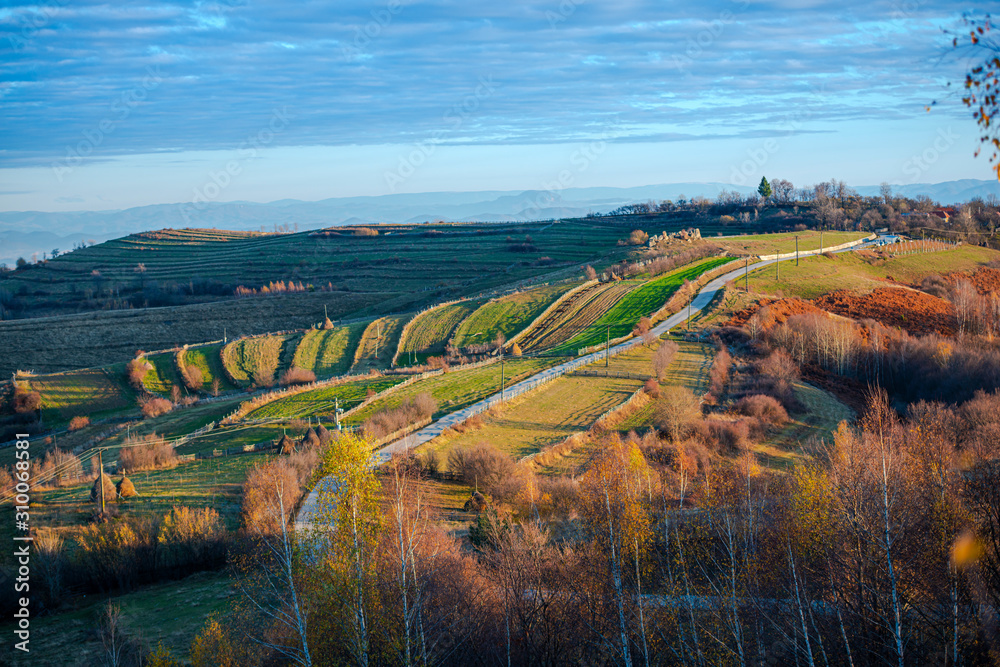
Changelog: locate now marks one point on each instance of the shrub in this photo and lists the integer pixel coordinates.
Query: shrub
(155, 406)
(26, 401)
(383, 423)
(765, 408)
(296, 375)
(262, 378)
(721, 436)
(718, 376)
(267, 486)
(191, 536)
(193, 378)
(63, 466)
(638, 237)
(486, 468)
(365, 231)
(136, 371)
(652, 387)
(589, 272)
(78, 422)
(663, 357)
(148, 453)
(676, 409)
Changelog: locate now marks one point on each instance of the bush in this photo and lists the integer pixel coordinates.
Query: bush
(638, 237)
(663, 357)
(193, 378)
(296, 375)
(416, 409)
(148, 453)
(26, 401)
(590, 273)
(136, 371)
(765, 408)
(262, 378)
(155, 406)
(486, 468)
(267, 486)
(191, 536)
(718, 376)
(365, 231)
(652, 387)
(63, 466)
(78, 422)
(676, 409)
(725, 437)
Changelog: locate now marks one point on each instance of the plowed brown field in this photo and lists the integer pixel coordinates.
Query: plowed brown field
(916, 312)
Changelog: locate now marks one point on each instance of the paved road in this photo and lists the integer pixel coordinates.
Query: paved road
(424, 435)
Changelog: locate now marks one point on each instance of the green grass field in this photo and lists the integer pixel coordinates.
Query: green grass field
(769, 244)
(458, 388)
(507, 315)
(640, 302)
(429, 332)
(548, 415)
(321, 401)
(379, 343)
(163, 376)
(816, 276)
(250, 359)
(96, 393)
(69, 637)
(328, 352)
(689, 369)
(208, 359)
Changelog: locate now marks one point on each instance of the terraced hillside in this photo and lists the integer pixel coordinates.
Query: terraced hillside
(429, 332)
(208, 360)
(322, 402)
(507, 315)
(577, 311)
(379, 343)
(94, 393)
(328, 352)
(256, 361)
(640, 302)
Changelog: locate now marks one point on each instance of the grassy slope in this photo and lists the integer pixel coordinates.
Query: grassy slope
(640, 302)
(507, 315)
(94, 393)
(246, 358)
(458, 388)
(768, 244)
(328, 352)
(816, 276)
(564, 406)
(384, 331)
(321, 401)
(430, 331)
(163, 376)
(207, 359)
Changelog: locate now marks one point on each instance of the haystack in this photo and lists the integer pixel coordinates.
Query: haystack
(286, 445)
(110, 493)
(310, 440)
(477, 503)
(323, 434)
(125, 488)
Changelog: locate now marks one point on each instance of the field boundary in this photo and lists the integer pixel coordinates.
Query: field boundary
(548, 311)
(406, 327)
(818, 251)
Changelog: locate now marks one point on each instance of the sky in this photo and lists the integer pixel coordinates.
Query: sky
(121, 104)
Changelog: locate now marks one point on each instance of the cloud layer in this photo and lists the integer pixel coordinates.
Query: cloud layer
(90, 80)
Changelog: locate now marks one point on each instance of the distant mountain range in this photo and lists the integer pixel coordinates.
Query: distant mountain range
(28, 233)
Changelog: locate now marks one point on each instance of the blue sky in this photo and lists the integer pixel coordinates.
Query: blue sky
(111, 105)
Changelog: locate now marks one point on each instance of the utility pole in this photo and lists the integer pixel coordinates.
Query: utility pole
(336, 411)
(777, 266)
(100, 478)
(689, 315)
(503, 380)
(326, 315)
(796, 250)
(378, 334)
(746, 275)
(225, 336)
(607, 346)
(821, 241)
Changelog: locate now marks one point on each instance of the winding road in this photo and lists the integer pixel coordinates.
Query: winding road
(428, 433)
